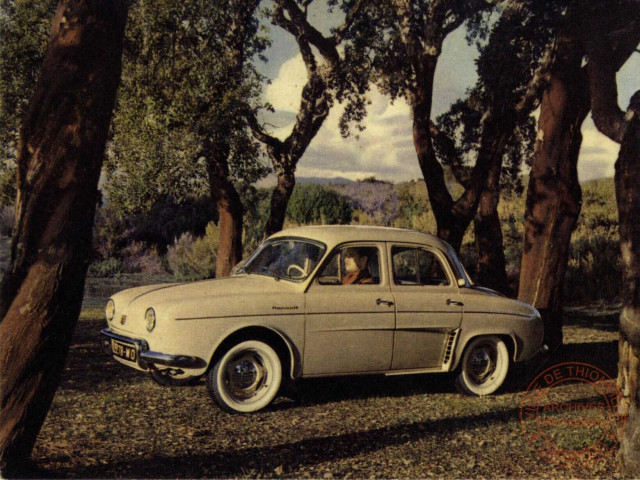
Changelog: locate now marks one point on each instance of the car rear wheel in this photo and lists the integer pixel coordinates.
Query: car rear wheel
(246, 378)
(166, 378)
(484, 366)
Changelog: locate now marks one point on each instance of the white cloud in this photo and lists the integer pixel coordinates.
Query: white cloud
(285, 90)
(598, 154)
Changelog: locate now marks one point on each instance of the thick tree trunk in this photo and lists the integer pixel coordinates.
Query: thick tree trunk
(279, 201)
(627, 181)
(229, 212)
(554, 196)
(491, 264)
(59, 161)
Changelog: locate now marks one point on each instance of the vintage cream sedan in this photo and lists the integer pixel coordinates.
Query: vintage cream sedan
(324, 301)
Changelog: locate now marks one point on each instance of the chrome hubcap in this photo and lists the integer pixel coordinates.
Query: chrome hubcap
(246, 376)
(481, 364)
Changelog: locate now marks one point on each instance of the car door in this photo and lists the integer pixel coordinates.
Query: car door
(349, 327)
(428, 306)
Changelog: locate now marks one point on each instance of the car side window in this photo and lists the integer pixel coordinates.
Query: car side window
(352, 265)
(416, 266)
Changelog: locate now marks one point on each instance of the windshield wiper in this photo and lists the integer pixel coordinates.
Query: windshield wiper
(270, 272)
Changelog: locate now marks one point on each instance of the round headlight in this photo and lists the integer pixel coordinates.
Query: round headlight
(150, 318)
(110, 310)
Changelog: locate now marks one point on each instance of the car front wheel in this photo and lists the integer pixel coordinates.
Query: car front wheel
(484, 366)
(246, 378)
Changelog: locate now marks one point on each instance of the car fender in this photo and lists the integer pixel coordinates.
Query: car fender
(466, 335)
(284, 345)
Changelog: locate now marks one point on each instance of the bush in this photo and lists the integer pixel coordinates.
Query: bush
(106, 268)
(377, 200)
(137, 258)
(316, 204)
(192, 258)
(167, 220)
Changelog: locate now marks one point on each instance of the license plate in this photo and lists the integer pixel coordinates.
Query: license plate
(123, 350)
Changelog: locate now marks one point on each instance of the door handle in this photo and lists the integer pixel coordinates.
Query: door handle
(454, 302)
(388, 303)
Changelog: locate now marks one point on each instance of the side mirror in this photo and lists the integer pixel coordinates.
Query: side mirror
(462, 282)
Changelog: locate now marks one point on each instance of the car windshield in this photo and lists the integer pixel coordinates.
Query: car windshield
(288, 258)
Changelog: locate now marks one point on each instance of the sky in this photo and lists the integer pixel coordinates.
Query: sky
(385, 148)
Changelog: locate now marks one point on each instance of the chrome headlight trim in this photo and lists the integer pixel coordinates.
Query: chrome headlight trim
(110, 310)
(150, 318)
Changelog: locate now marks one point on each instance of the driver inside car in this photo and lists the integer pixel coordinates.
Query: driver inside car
(356, 262)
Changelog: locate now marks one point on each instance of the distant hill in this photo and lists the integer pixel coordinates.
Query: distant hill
(322, 180)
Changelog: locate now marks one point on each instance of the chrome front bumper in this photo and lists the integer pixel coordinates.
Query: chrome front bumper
(145, 358)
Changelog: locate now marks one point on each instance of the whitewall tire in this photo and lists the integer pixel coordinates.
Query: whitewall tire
(246, 378)
(484, 366)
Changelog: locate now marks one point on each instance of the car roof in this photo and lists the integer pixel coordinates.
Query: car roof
(335, 234)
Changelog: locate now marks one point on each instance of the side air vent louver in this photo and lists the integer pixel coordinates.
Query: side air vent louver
(450, 345)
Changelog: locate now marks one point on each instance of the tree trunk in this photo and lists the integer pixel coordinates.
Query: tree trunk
(491, 264)
(554, 196)
(229, 212)
(59, 161)
(627, 181)
(279, 201)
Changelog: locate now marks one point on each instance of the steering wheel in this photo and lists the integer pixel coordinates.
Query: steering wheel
(295, 268)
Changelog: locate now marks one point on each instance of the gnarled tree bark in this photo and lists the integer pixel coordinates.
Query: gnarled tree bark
(491, 263)
(59, 161)
(229, 211)
(627, 181)
(554, 196)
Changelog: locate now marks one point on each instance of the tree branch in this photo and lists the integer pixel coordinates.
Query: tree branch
(300, 28)
(341, 31)
(446, 147)
(410, 38)
(608, 45)
(260, 133)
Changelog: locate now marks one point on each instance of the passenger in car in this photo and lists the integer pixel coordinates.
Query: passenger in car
(356, 262)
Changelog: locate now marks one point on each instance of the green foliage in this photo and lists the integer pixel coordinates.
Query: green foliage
(256, 212)
(157, 228)
(415, 209)
(106, 268)
(595, 268)
(194, 258)
(180, 104)
(318, 205)
(25, 27)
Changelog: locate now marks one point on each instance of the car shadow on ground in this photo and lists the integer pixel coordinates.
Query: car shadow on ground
(289, 457)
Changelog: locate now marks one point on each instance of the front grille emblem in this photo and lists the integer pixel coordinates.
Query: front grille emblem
(123, 319)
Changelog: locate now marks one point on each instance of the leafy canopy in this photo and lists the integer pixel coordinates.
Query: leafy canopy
(179, 101)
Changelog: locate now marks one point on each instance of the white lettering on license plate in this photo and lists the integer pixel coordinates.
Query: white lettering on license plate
(122, 350)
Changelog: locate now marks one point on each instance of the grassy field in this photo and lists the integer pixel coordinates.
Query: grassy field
(110, 421)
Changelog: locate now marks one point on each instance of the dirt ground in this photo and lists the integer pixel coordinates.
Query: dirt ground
(109, 421)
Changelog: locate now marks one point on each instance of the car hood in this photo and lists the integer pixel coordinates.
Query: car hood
(241, 295)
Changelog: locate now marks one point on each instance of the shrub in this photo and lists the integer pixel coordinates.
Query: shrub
(168, 219)
(378, 200)
(316, 204)
(106, 268)
(194, 258)
(137, 258)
